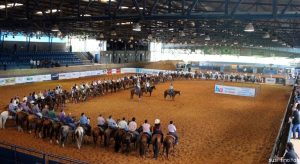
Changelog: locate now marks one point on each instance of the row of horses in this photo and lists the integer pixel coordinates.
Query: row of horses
(124, 141)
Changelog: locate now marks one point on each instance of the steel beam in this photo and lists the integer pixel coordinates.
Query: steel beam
(287, 6)
(153, 7)
(87, 7)
(236, 7)
(136, 5)
(192, 6)
(274, 8)
(118, 7)
(226, 4)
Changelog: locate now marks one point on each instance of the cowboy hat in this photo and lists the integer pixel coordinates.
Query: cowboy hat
(157, 121)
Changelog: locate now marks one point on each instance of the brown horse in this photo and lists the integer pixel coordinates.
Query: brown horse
(118, 139)
(96, 133)
(169, 143)
(139, 93)
(127, 140)
(149, 89)
(54, 132)
(166, 93)
(143, 144)
(108, 134)
(20, 120)
(156, 142)
(46, 128)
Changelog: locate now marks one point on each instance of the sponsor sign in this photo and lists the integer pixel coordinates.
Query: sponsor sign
(128, 70)
(54, 76)
(238, 91)
(270, 80)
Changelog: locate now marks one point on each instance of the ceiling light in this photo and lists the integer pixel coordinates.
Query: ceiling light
(113, 33)
(101, 36)
(10, 5)
(266, 35)
(87, 15)
(124, 7)
(55, 28)
(181, 34)
(149, 36)
(249, 28)
(137, 27)
(106, 1)
(207, 37)
(131, 38)
(274, 39)
(119, 39)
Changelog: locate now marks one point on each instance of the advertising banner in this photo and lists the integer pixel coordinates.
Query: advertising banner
(270, 80)
(238, 91)
(128, 70)
(109, 72)
(54, 76)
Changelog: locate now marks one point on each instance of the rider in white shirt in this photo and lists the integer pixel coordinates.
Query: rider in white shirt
(146, 127)
(172, 130)
(123, 124)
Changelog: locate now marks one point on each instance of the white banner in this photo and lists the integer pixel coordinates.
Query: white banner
(238, 91)
(128, 70)
(270, 80)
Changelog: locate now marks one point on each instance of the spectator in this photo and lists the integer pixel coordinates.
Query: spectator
(296, 122)
(290, 156)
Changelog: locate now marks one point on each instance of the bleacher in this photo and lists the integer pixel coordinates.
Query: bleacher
(17, 60)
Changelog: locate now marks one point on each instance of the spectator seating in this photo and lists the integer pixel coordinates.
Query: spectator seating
(46, 59)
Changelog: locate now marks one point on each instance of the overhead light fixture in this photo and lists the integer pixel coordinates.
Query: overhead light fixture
(131, 38)
(249, 28)
(120, 40)
(266, 35)
(274, 39)
(113, 33)
(124, 7)
(207, 38)
(105, 1)
(101, 36)
(149, 36)
(10, 5)
(182, 34)
(137, 27)
(55, 28)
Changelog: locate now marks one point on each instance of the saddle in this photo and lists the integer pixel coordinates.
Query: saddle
(174, 138)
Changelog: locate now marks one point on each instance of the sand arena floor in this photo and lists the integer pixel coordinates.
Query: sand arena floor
(213, 128)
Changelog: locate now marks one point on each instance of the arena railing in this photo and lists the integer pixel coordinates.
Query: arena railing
(284, 132)
(10, 153)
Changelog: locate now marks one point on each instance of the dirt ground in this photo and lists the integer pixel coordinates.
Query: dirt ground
(213, 128)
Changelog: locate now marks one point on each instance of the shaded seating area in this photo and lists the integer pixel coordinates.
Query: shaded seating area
(40, 59)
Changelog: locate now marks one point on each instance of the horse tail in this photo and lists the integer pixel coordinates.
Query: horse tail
(1, 121)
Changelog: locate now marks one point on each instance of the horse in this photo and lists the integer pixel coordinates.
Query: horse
(171, 95)
(143, 144)
(127, 139)
(156, 142)
(46, 128)
(54, 131)
(108, 133)
(118, 139)
(79, 134)
(97, 132)
(150, 89)
(3, 118)
(138, 93)
(169, 143)
(64, 133)
(20, 119)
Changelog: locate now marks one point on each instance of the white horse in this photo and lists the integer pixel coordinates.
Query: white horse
(79, 133)
(3, 117)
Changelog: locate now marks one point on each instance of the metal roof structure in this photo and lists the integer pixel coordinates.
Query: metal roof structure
(276, 23)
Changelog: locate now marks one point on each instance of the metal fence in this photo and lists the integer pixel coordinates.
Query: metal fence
(283, 134)
(13, 154)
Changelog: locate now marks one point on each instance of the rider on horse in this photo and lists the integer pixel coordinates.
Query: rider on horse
(112, 123)
(172, 131)
(123, 124)
(171, 89)
(84, 122)
(101, 123)
(148, 86)
(36, 110)
(132, 127)
(69, 121)
(146, 130)
(157, 129)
